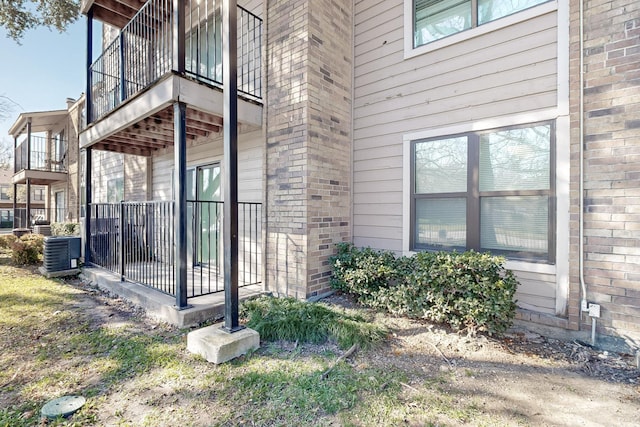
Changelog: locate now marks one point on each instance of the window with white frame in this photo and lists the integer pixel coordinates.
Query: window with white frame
(436, 19)
(487, 191)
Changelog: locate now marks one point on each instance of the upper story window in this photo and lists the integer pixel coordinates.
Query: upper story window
(37, 194)
(5, 192)
(487, 191)
(436, 19)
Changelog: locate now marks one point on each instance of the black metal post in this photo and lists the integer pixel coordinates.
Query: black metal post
(88, 102)
(15, 203)
(178, 36)
(121, 240)
(28, 143)
(15, 160)
(123, 89)
(28, 205)
(87, 206)
(230, 125)
(180, 204)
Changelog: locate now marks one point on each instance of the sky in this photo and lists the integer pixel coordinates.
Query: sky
(41, 73)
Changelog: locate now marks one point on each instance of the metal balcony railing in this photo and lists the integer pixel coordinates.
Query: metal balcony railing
(143, 53)
(32, 154)
(136, 241)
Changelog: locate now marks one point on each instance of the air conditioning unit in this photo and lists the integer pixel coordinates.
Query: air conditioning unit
(61, 253)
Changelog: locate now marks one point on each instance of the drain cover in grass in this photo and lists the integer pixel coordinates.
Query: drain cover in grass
(62, 406)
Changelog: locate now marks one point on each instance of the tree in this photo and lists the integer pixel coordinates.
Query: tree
(18, 16)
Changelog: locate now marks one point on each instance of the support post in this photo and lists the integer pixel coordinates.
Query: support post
(123, 81)
(88, 102)
(15, 160)
(230, 125)
(87, 206)
(15, 204)
(180, 203)
(121, 240)
(28, 204)
(28, 144)
(178, 30)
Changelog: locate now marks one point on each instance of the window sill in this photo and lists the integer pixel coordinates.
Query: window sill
(410, 52)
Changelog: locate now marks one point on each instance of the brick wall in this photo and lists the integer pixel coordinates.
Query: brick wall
(308, 153)
(611, 164)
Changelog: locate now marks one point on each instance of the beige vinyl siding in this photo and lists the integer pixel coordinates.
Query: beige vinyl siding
(250, 151)
(106, 165)
(506, 72)
(537, 292)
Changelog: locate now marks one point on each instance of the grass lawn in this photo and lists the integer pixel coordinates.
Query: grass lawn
(59, 338)
(136, 372)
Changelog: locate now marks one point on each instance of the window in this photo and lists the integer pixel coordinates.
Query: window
(115, 190)
(37, 194)
(436, 19)
(5, 192)
(487, 191)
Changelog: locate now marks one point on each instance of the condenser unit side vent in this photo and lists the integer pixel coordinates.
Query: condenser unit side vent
(61, 253)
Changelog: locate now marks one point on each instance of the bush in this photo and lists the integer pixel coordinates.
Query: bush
(6, 241)
(65, 229)
(27, 249)
(470, 290)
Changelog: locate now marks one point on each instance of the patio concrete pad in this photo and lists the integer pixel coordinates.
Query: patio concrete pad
(162, 306)
(218, 346)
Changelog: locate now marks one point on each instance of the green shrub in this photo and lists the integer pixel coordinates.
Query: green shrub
(65, 229)
(6, 240)
(27, 249)
(470, 290)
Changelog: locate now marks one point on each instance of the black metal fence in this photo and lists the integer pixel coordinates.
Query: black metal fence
(38, 216)
(33, 155)
(142, 52)
(136, 241)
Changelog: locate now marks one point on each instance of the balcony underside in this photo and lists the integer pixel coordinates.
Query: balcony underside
(144, 124)
(113, 12)
(38, 177)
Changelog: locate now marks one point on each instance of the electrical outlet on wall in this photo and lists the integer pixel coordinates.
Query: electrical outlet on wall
(594, 310)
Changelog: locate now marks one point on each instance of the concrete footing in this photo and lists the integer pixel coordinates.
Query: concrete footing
(218, 346)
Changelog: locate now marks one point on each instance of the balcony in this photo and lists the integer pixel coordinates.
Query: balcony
(150, 64)
(40, 160)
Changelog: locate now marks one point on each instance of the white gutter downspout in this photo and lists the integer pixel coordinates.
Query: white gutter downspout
(583, 303)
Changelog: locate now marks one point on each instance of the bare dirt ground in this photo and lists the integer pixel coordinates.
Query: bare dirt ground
(522, 376)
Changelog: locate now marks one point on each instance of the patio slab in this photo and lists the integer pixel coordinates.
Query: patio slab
(162, 306)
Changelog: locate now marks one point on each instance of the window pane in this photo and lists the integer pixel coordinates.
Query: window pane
(441, 222)
(516, 159)
(489, 10)
(515, 223)
(441, 166)
(435, 19)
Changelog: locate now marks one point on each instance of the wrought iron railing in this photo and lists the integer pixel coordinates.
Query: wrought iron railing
(136, 241)
(143, 52)
(33, 155)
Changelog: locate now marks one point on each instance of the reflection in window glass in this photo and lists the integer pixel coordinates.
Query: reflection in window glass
(441, 222)
(441, 166)
(515, 223)
(437, 19)
(516, 159)
(490, 10)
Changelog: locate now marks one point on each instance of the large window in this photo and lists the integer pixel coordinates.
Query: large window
(487, 191)
(436, 19)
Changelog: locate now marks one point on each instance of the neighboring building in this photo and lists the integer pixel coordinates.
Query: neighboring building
(404, 125)
(45, 165)
(47, 160)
